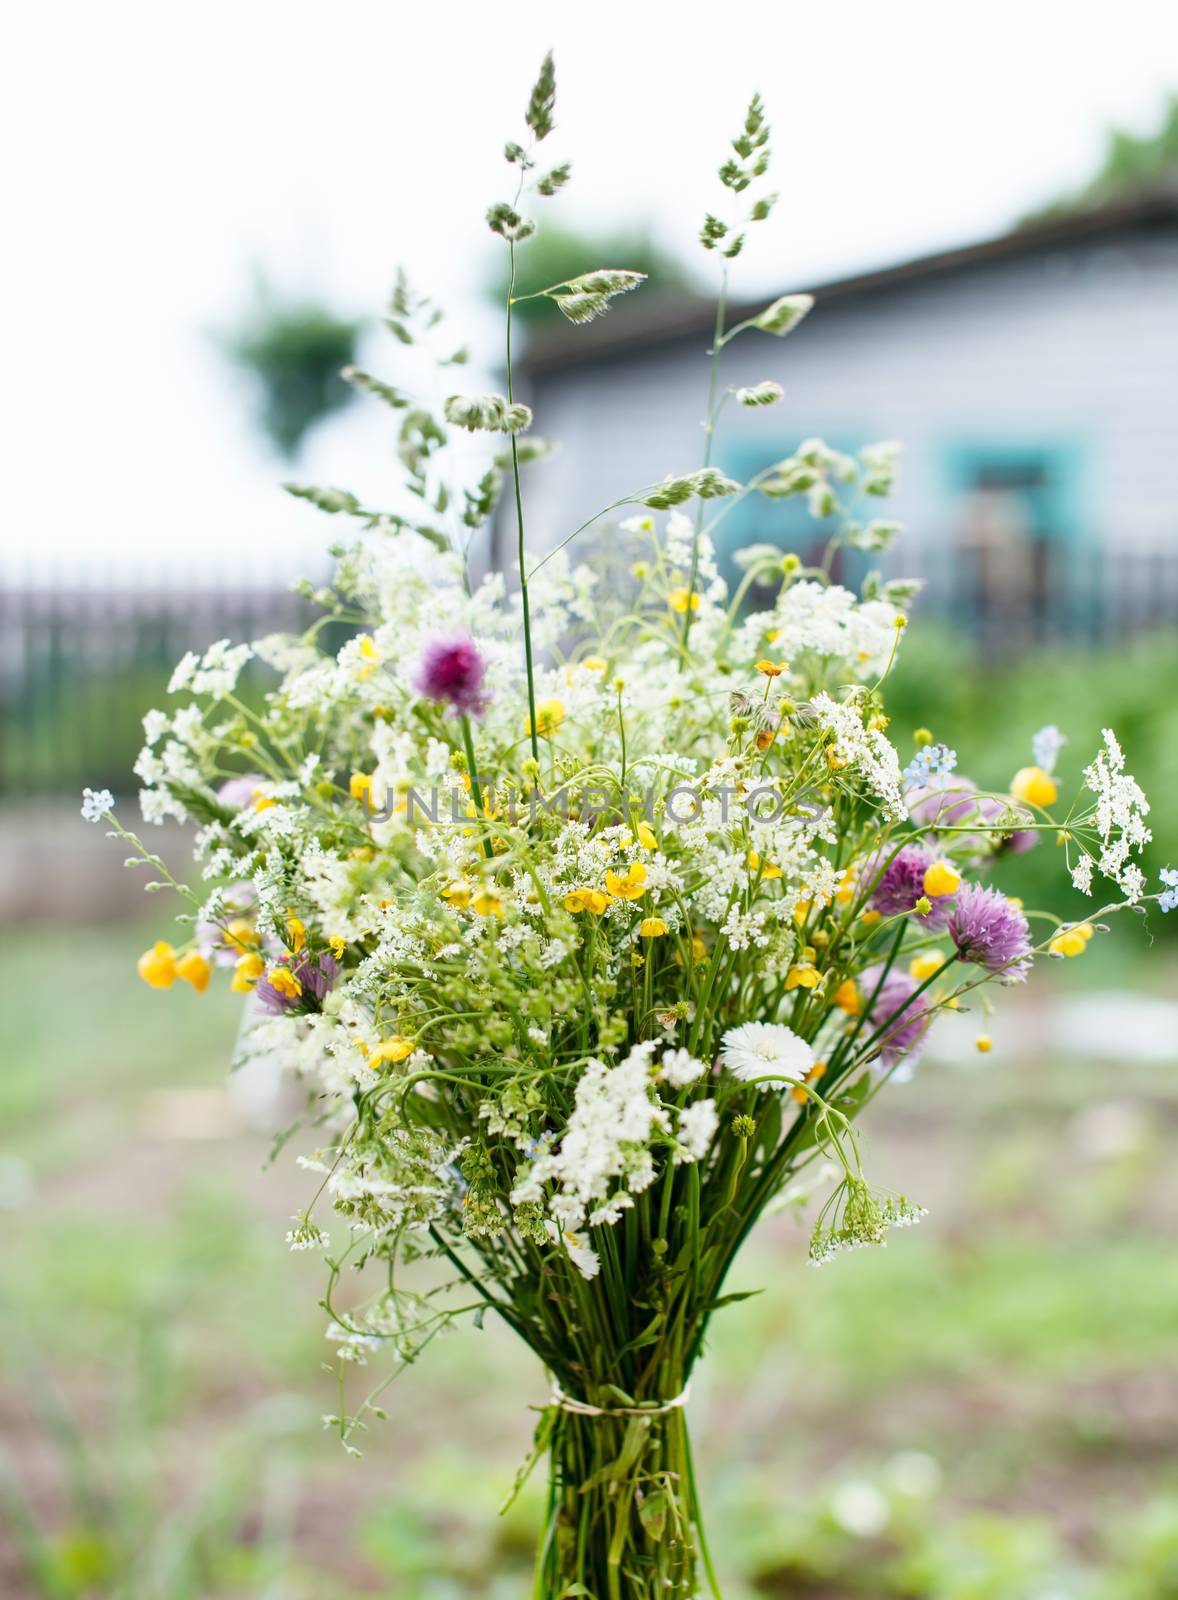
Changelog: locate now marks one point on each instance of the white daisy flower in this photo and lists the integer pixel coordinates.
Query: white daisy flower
(765, 1050)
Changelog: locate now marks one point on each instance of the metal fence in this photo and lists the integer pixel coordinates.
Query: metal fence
(79, 665)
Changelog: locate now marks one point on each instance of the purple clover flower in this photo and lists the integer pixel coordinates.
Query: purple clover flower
(905, 1039)
(238, 792)
(948, 807)
(451, 671)
(990, 932)
(317, 975)
(901, 883)
(959, 804)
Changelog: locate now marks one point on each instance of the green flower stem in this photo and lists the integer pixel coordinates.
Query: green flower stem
(519, 517)
(476, 786)
(709, 438)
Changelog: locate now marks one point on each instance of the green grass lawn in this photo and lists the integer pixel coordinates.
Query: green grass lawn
(987, 1410)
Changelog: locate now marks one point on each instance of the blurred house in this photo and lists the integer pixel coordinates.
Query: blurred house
(1033, 381)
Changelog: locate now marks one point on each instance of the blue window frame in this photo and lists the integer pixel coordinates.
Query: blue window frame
(1017, 530)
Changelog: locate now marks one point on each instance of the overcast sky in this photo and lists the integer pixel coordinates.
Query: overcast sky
(154, 152)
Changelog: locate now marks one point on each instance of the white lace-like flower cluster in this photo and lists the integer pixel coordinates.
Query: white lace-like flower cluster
(1120, 813)
(605, 1156)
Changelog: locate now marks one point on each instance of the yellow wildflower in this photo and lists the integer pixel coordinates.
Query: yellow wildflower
(816, 1071)
(630, 885)
(157, 966)
(646, 837)
(194, 969)
(682, 600)
(923, 967)
(596, 664)
(847, 997)
(284, 981)
(262, 801)
(391, 1050)
(247, 972)
(652, 928)
(371, 657)
(594, 901)
(486, 903)
(802, 976)
(298, 933)
(1068, 942)
(983, 1043)
(870, 917)
(360, 788)
(771, 669)
(240, 934)
(338, 946)
(1036, 787)
(549, 716)
(941, 879)
(457, 895)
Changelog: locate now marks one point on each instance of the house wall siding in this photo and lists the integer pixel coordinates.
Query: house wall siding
(1075, 348)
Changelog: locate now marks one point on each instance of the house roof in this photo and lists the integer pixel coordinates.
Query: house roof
(671, 318)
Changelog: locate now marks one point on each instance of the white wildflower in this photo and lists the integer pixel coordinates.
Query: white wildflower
(1046, 745)
(1082, 874)
(679, 1068)
(760, 1050)
(97, 804)
(155, 725)
(183, 673)
(697, 1127)
(218, 672)
(607, 1139)
(1120, 812)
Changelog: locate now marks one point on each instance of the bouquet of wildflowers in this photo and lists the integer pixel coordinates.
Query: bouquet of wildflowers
(588, 916)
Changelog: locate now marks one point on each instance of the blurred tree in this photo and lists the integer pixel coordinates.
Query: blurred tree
(556, 254)
(293, 351)
(1130, 162)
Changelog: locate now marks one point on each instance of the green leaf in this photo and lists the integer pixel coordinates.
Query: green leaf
(731, 1299)
(329, 500)
(633, 1444)
(541, 1439)
(652, 1513)
(649, 1334)
(359, 379)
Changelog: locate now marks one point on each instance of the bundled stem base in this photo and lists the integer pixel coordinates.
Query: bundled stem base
(623, 1514)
